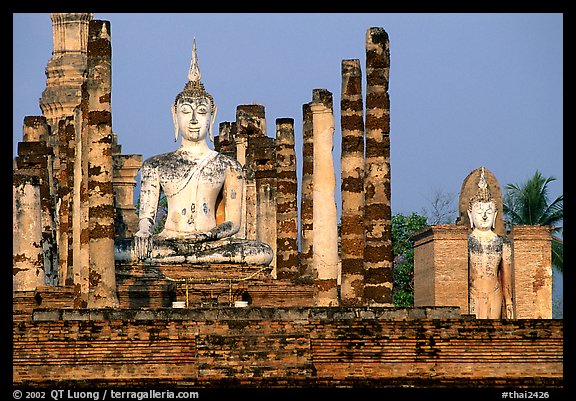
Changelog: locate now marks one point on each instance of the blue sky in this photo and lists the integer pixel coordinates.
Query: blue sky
(466, 90)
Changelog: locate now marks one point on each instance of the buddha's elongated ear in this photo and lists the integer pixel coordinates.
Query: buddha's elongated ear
(470, 218)
(212, 119)
(494, 221)
(175, 120)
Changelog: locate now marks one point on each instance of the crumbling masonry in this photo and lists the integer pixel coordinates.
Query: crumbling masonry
(321, 315)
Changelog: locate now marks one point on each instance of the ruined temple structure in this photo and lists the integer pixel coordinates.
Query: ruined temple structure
(319, 314)
(85, 183)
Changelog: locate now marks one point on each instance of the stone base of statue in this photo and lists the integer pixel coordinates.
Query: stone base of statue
(163, 285)
(183, 273)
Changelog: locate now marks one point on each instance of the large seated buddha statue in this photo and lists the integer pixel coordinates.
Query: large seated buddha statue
(194, 179)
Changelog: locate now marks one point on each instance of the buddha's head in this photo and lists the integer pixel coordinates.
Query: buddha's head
(482, 209)
(194, 111)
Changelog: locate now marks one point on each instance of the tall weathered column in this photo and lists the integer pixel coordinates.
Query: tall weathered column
(256, 152)
(79, 211)
(378, 256)
(352, 184)
(306, 204)
(325, 216)
(98, 116)
(250, 122)
(27, 255)
(36, 158)
(65, 134)
(287, 265)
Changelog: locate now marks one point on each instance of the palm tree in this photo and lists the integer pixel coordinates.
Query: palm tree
(529, 204)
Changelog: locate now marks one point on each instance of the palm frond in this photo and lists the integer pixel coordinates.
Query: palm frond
(529, 204)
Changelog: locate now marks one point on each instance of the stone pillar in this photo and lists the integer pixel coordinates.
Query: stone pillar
(250, 122)
(27, 256)
(65, 133)
(287, 259)
(125, 169)
(102, 278)
(256, 152)
(306, 204)
(66, 69)
(241, 147)
(35, 129)
(378, 255)
(532, 255)
(79, 218)
(325, 216)
(36, 158)
(262, 159)
(441, 266)
(266, 201)
(225, 142)
(352, 184)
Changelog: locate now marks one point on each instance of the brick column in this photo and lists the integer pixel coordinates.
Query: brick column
(306, 204)
(287, 259)
(532, 255)
(225, 142)
(325, 216)
(125, 170)
(102, 278)
(378, 256)
(27, 256)
(441, 266)
(262, 151)
(241, 141)
(352, 184)
(64, 193)
(79, 212)
(36, 158)
(250, 122)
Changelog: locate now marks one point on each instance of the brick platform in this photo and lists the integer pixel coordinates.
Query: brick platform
(284, 347)
(158, 285)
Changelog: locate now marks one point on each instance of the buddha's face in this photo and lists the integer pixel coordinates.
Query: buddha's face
(483, 215)
(193, 117)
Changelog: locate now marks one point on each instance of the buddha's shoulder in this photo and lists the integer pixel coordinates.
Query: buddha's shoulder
(504, 239)
(228, 162)
(172, 159)
(159, 161)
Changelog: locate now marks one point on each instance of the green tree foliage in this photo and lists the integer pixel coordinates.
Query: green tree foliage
(528, 203)
(402, 229)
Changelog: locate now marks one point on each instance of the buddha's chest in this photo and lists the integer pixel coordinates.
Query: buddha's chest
(485, 246)
(191, 177)
(484, 256)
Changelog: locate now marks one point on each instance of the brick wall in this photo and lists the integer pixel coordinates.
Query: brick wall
(532, 253)
(441, 266)
(284, 347)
